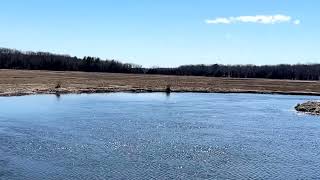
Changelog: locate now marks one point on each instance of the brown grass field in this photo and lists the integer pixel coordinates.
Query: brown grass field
(26, 82)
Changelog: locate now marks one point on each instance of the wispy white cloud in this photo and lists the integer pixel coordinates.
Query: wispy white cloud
(296, 22)
(260, 19)
(219, 21)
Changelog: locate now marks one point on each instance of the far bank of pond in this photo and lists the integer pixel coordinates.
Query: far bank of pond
(27, 82)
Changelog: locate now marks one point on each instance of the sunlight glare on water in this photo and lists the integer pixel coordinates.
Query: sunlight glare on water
(154, 136)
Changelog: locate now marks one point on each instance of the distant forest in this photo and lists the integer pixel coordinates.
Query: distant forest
(14, 59)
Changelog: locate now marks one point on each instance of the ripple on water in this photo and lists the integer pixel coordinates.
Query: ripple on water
(184, 136)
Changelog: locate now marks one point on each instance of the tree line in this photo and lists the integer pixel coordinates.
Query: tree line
(281, 71)
(14, 59)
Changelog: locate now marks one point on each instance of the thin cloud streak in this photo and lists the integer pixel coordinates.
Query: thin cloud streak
(259, 19)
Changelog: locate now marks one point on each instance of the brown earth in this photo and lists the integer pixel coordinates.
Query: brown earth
(25, 82)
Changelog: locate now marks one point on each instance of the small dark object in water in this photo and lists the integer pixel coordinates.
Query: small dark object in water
(168, 89)
(58, 96)
(312, 107)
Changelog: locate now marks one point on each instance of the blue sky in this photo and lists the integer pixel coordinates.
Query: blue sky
(167, 32)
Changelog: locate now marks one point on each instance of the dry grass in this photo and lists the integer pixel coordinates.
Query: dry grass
(22, 82)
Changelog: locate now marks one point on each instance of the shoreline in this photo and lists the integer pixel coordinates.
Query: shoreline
(102, 91)
(309, 107)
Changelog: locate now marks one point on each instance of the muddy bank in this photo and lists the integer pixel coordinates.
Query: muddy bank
(139, 90)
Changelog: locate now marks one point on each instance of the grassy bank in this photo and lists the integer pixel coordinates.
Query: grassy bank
(24, 82)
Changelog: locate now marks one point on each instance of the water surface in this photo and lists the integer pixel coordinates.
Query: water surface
(154, 136)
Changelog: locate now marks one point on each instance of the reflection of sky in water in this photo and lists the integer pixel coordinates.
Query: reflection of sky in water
(153, 135)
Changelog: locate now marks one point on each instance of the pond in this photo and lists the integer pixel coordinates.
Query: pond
(158, 136)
